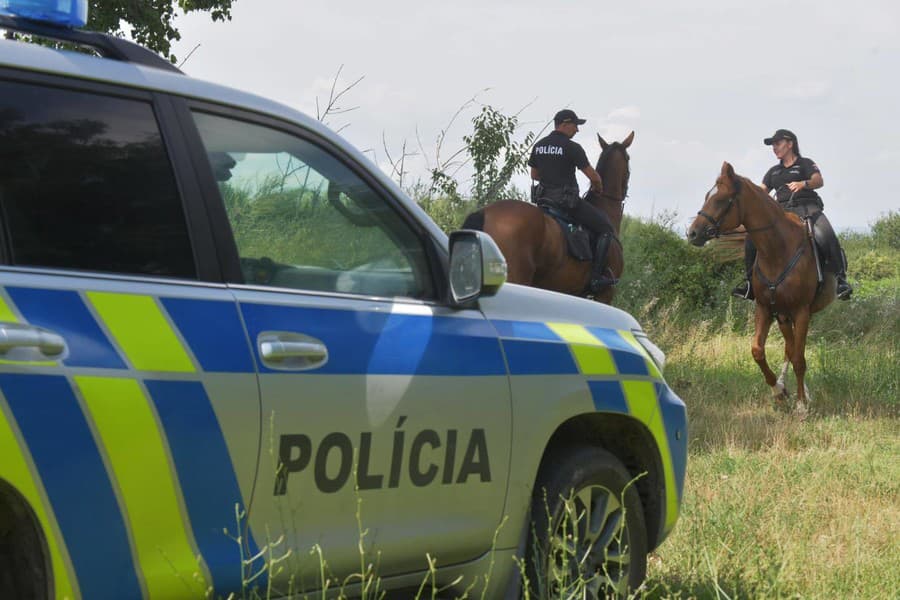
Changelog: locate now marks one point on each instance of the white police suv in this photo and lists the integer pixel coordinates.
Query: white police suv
(236, 358)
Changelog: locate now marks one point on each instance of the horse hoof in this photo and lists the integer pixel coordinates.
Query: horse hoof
(780, 392)
(801, 410)
(781, 397)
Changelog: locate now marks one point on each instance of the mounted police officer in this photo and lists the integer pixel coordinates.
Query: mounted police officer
(795, 179)
(553, 161)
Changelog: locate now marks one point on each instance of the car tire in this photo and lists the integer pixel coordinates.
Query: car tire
(23, 568)
(588, 537)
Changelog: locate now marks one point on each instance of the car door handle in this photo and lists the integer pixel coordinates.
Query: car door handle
(276, 350)
(17, 335)
(288, 351)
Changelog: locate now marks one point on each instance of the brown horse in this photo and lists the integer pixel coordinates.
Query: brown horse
(785, 280)
(533, 243)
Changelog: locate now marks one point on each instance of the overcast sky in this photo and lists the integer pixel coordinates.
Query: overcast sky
(700, 82)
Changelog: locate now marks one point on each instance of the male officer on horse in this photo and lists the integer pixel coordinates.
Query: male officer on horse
(553, 161)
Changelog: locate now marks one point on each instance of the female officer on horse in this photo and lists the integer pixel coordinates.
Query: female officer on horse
(795, 179)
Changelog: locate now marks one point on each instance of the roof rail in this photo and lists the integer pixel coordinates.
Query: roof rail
(106, 45)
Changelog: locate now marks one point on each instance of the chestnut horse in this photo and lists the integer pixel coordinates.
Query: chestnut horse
(785, 280)
(533, 243)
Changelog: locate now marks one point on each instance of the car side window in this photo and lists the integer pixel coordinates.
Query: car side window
(302, 219)
(86, 183)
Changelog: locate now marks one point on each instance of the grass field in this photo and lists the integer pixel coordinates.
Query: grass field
(775, 506)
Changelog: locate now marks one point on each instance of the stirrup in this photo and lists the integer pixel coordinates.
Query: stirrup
(843, 290)
(604, 280)
(743, 290)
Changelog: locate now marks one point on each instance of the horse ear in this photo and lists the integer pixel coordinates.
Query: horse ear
(627, 141)
(727, 170)
(603, 143)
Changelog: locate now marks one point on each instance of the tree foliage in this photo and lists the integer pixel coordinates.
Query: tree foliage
(151, 22)
(886, 230)
(495, 156)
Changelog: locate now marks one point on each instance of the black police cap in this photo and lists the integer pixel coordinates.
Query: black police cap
(567, 116)
(781, 134)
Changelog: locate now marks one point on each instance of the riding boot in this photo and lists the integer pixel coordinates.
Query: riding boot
(844, 289)
(600, 275)
(837, 260)
(744, 289)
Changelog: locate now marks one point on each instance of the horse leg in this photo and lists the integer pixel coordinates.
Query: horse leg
(763, 321)
(801, 328)
(783, 373)
(787, 331)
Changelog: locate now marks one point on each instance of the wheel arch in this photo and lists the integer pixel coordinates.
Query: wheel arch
(632, 443)
(25, 565)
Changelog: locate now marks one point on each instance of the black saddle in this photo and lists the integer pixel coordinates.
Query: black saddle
(810, 214)
(580, 241)
(825, 262)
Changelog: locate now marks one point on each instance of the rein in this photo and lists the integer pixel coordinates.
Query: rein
(605, 196)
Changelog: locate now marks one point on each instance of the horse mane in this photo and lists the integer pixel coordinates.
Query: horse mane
(759, 192)
(604, 158)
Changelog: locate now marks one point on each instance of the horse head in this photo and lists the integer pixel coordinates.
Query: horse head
(612, 165)
(719, 212)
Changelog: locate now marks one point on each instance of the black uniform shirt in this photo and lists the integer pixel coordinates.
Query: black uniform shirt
(556, 157)
(779, 176)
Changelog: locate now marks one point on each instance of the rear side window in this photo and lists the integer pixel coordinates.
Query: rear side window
(86, 183)
(303, 219)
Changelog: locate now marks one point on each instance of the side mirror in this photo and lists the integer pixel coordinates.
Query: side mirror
(477, 267)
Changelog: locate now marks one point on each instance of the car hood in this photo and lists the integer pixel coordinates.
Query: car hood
(522, 303)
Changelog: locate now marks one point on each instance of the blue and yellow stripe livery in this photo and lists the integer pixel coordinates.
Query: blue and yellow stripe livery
(119, 449)
(126, 469)
(621, 376)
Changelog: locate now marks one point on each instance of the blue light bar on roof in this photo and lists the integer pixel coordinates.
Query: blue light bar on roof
(66, 13)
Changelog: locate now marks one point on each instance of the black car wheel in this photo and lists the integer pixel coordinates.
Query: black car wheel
(588, 536)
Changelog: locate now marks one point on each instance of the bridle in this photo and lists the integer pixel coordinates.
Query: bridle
(714, 229)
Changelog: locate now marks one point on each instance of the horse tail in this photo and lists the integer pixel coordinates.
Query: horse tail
(475, 220)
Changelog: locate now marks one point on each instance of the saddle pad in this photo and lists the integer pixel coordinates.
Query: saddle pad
(578, 239)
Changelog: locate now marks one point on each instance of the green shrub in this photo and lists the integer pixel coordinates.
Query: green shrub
(873, 266)
(447, 212)
(886, 231)
(663, 270)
